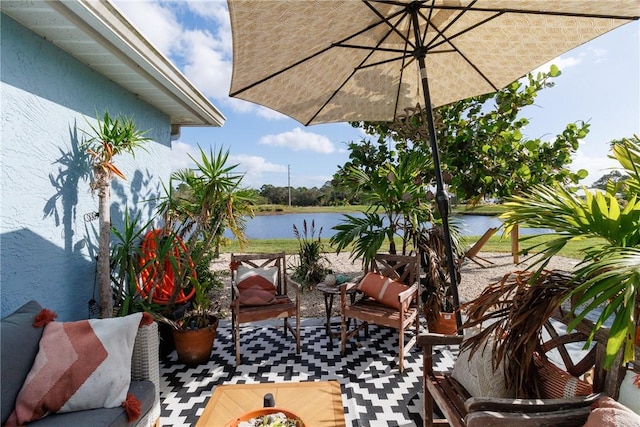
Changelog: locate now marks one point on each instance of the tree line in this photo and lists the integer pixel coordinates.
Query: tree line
(327, 195)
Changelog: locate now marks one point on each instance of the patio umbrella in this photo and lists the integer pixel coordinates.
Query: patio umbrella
(367, 60)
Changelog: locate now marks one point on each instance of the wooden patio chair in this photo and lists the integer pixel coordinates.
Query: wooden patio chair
(260, 291)
(461, 409)
(472, 252)
(395, 304)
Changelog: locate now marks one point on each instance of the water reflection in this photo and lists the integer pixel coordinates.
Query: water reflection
(281, 226)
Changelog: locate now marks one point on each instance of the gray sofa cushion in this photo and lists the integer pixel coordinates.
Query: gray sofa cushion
(19, 345)
(113, 417)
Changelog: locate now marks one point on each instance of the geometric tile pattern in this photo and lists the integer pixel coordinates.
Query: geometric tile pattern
(374, 393)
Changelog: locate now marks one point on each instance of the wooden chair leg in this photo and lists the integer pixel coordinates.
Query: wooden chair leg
(237, 340)
(427, 367)
(401, 349)
(343, 334)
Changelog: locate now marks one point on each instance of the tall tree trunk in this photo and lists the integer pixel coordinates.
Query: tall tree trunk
(104, 267)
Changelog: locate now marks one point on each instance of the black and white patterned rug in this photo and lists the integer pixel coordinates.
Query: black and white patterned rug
(374, 393)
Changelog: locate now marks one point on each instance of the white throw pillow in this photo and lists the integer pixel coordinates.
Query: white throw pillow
(630, 392)
(477, 375)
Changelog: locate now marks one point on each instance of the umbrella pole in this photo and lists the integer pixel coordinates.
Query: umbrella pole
(442, 200)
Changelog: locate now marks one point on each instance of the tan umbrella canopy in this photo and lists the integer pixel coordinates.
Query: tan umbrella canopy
(365, 60)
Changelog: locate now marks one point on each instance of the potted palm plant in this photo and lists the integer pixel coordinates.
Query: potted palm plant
(199, 205)
(437, 300)
(310, 269)
(165, 269)
(605, 286)
(110, 137)
(194, 333)
(397, 192)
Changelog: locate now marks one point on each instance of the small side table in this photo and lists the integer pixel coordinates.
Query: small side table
(329, 292)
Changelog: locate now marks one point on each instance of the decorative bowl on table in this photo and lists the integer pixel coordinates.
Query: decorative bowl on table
(267, 417)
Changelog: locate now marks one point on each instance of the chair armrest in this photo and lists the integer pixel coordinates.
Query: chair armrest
(291, 281)
(496, 404)
(145, 365)
(145, 360)
(567, 418)
(346, 286)
(295, 284)
(408, 294)
(431, 339)
(234, 290)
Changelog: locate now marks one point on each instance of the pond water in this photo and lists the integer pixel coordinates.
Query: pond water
(281, 226)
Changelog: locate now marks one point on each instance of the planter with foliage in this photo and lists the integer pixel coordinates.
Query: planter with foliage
(437, 300)
(604, 287)
(164, 269)
(194, 333)
(310, 269)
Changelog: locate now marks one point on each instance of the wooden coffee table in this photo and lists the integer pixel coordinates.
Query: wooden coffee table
(318, 403)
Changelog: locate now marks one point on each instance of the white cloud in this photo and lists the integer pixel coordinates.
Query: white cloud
(596, 165)
(562, 62)
(204, 56)
(255, 169)
(218, 14)
(180, 152)
(156, 22)
(299, 140)
(269, 114)
(205, 64)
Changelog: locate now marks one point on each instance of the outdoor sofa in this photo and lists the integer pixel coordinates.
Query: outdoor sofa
(20, 345)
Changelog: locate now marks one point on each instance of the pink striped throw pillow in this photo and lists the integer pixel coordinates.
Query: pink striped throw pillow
(80, 365)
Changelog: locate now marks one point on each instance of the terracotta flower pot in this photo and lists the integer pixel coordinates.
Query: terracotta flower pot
(445, 323)
(194, 345)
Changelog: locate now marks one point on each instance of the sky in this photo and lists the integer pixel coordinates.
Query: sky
(600, 84)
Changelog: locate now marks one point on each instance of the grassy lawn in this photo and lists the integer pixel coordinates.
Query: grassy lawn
(496, 244)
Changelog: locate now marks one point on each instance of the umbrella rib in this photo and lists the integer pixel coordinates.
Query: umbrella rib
(372, 50)
(449, 25)
(377, 48)
(402, 68)
(387, 20)
(335, 92)
(540, 12)
(407, 47)
(449, 40)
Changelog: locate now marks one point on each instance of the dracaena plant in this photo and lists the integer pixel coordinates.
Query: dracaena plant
(607, 281)
(110, 137)
(198, 206)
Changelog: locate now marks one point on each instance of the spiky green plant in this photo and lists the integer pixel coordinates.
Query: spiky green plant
(310, 270)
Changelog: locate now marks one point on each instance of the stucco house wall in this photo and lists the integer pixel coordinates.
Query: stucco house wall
(47, 244)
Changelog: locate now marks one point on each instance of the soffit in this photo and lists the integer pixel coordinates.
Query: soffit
(97, 34)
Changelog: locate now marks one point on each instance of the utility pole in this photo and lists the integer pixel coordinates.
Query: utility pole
(289, 182)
